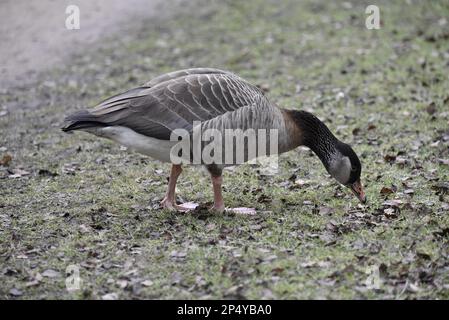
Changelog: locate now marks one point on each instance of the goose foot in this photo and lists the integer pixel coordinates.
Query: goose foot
(167, 203)
(217, 208)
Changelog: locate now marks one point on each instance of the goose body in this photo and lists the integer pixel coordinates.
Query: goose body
(145, 118)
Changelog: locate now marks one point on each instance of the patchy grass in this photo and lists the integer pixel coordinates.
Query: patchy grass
(88, 203)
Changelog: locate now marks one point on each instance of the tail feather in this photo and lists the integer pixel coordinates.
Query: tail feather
(81, 120)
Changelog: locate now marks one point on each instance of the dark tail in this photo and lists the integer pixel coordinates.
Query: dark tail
(81, 120)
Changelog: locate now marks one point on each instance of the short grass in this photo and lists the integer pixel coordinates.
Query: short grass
(86, 202)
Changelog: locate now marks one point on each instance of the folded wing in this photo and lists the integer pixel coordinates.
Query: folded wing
(173, 101)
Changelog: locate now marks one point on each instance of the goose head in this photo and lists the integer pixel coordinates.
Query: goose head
(345, 167)
(338, 158)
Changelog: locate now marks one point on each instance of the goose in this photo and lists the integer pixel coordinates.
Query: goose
(144, 119)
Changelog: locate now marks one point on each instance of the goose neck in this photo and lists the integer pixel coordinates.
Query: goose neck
(315, 135)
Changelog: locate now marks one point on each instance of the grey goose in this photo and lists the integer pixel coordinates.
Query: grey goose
(145, 118)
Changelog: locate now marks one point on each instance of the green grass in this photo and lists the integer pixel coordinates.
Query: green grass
(101, 215)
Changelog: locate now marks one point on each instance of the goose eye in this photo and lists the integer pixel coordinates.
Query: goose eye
(353, 169)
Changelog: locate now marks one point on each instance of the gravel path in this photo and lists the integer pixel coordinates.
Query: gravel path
(33, 34)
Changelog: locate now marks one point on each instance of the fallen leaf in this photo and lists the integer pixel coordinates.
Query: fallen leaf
(277, 270)
(325, 211)
(5, 160)
(390, 158)
(256, 227)
(110, 296)
(301, 182)
(413, 288)
(392, 203)
(84, 228)
(234, 291)
(17, 173)
(200, 281)
(423, 255)
(401, 160)
(267, 294)
(32, 283)
(15, 292)
(176, 277)
(435, 144)
(270, 258)
(70, 168)
(147, 283)
(263, 198)
(390, 212)
(178, 254)
(386, 190)
(308, 264)
(122, 284)
(431, 108)
(441, 188)
(50, 273)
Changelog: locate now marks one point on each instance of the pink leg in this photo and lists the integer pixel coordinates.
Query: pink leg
(169, 201)
(219, 202)
(218, 197)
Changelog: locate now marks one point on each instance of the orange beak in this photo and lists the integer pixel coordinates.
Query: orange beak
(357, 189)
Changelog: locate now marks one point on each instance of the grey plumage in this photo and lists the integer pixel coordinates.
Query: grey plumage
(217, 98)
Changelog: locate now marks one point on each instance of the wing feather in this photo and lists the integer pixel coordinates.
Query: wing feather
(174, 100)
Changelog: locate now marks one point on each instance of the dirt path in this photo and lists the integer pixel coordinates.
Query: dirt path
(34, 37)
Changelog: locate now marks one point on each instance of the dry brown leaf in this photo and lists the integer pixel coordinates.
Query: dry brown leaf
(6, 159)
(386, 190)
(431, 108)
